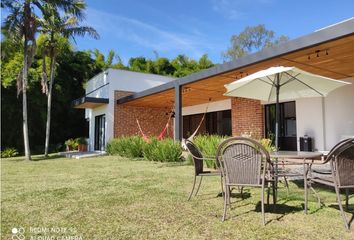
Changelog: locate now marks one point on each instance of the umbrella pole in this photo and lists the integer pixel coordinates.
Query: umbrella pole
(277, 111)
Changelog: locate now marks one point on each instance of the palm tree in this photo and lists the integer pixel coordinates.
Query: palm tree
(21, 26)
(54, 27)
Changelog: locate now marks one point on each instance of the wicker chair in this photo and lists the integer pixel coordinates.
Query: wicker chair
(198, 161)
(245, 163)
(341, 174)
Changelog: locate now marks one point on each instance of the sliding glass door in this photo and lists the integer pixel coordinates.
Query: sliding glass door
(100, 129)
(287, 125)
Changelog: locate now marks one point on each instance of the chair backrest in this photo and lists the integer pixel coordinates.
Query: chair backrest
(243, 161)
(342, 160)
(335, 148)
(196, 155)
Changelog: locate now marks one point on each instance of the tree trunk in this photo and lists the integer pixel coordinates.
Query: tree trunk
(24, 103)
(49, 104)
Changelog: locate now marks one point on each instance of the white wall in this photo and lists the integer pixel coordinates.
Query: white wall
(128, 81)
(210, 107)
(338, 109)
(309, 121)
(91, 114)
(339, 113)
(118, 80)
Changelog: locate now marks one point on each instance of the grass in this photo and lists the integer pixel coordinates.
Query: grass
(116, 198)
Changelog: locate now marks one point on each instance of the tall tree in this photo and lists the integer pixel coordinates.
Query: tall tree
(205, 62)
(66, 122)
(251, 39)
(103, 63)
(21, 25)
(54, 27)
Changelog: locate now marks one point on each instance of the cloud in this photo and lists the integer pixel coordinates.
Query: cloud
(147, 35)
(235, 9)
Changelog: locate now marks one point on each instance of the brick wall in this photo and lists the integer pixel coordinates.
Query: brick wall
(152, 120)
(247, 116)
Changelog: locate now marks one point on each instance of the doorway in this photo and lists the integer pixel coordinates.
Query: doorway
(287, 125)
(214, 123)
(100, 129)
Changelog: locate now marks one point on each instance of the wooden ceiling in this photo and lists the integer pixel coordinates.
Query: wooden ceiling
(90, 105)
(333, 59)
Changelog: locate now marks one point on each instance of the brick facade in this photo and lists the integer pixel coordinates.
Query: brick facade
(247, 117)
(152, 120)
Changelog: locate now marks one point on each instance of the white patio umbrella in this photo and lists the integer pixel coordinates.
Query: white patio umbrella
(282, 83)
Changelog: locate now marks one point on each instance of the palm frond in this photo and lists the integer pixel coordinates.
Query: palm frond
(81, 31)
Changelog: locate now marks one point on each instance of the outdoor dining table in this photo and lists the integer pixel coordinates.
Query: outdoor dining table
(295, 158)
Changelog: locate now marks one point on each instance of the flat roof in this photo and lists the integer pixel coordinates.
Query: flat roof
(89, 102)
(330, 33)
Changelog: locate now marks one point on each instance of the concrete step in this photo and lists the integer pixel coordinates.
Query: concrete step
(78, 155)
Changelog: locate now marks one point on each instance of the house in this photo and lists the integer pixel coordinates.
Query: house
(328, 52)
(99, 100)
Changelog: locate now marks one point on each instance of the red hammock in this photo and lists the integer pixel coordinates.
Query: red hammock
(161, 135)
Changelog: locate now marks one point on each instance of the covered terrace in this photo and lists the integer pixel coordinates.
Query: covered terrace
(328, 52)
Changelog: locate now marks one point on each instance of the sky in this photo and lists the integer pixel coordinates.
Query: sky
(165, 28)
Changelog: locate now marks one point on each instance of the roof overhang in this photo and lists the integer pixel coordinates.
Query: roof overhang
(89, 102)
(328, 52)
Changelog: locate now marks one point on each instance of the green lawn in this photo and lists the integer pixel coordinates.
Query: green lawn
(115, 198)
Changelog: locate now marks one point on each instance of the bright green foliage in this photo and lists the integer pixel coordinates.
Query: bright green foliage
(104, 63)
(9, 152)
(184, 66)
(267, 144)
(166, 150)
(71, 144)
(149, 150)
(208, 145)
(81, 140)
(205, 62)
(131, 147)
(138, 64)
(11, 69)
(163, 66)
(74, 69)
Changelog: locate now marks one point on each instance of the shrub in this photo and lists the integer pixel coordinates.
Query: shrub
(81, 140)
(166, 150)
(149, 150)
(267, 144)
(131, 147)
(208, 145)
(71, 144)
(9, 152)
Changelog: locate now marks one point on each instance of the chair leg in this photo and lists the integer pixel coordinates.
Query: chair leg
(222, 187)
(241, 192)
(225, 202)
(190, 195)
(346, 198)
(274, 193)
(305, 187)
(262, 202)
(200, 182)
(317, 196)
(341, 208)
(268, 192)
(286, 185)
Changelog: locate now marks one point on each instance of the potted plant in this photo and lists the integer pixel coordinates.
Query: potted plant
(70, 144)
(82, 144)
